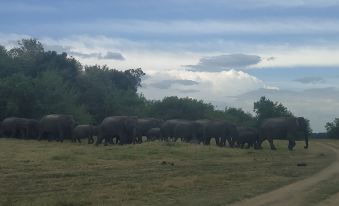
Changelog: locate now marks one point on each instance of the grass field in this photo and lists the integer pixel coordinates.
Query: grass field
(157, 173)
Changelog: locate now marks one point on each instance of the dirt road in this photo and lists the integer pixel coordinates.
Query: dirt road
(294, 194)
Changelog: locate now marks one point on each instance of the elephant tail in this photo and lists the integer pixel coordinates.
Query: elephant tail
(306, 141)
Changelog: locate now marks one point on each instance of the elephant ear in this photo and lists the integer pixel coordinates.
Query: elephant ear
(302, 124)
(130, 122)
(297, 122)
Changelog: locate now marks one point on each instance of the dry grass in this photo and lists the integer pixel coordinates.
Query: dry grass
(43, 173)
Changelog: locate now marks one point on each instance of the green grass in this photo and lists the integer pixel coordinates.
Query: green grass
(45, 173)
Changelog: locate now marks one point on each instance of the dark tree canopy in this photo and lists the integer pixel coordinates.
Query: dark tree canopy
(332, 129)
(34, 82)
(265, 108)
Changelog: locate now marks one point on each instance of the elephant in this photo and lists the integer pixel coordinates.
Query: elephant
(247, 135)
(19, 127)
(31, 128)
(57, 126)
(221, 130)
(200, 129)
(13, 127)
(167, 129)
(283, 128)
(121, 127)
(179, 128)
(145, 124)
(186, 130)
(154, 134)
(85, 131)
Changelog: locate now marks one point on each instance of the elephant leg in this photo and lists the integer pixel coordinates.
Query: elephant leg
(61, 137)
(270, 140)
(90, 140)
(291, 144)
(223, 141)
(217, 142)
(260, 141)
(139, 139)
(248, 145)
(207, 141)
(107, 140)
(231, 141)
(40, 135)
(99, 140)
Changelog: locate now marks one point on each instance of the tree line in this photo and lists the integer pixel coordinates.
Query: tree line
(35, 82)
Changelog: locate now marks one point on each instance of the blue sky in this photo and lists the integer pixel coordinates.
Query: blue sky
(227, 52)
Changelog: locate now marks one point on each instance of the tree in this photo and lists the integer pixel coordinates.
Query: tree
(332, 129)
(17, 96)
(35, 82)
(265, 108)
(28, 48)
(180, 108)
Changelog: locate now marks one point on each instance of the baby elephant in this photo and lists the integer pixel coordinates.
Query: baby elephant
(153, 134)
(84, 132)
(247, 135)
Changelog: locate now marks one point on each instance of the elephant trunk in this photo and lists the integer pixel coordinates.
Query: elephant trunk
(306, 141)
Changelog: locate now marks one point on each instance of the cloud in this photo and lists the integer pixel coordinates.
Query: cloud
(184, 27)
(69, 50)
(310, 80)
(112, 55)
(172, 55)
(107, 56)
(187, 91)
(224, 62)
(209, 86)
(270, 58)
(166, 84)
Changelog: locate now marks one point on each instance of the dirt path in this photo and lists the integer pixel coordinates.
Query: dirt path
(295, 193)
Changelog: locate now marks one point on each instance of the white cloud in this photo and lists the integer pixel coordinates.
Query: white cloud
(215, 86)
(162, 55)
(167, 83)
(310, 80)
(294, 56)
(207, 27)
(225, 62)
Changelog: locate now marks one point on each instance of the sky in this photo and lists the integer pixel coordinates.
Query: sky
(226, 52)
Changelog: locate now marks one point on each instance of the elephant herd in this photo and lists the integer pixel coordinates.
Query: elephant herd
(130, 130)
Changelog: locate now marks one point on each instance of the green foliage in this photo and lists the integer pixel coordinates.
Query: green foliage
(16, 94)
(332, 129)
(265, 108)
(239, 116)
(108, 92)
(35, 82)
(180, 108)
(57, 96)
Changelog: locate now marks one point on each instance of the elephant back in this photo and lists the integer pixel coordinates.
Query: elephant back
(167, 128)
(119, 125)
(55, 122)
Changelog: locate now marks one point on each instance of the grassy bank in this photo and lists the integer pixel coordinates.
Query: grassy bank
(43, 173)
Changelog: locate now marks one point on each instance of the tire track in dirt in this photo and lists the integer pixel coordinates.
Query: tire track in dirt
(294, 194)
